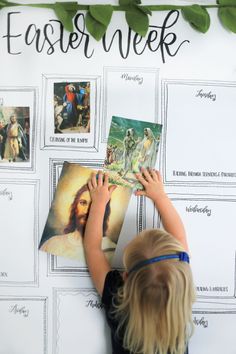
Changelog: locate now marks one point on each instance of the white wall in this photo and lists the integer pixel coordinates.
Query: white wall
(48, 300)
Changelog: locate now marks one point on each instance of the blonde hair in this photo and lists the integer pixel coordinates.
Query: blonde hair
(154, 306)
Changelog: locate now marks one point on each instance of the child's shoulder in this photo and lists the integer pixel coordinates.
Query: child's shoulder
(114, 278)
(113, 282)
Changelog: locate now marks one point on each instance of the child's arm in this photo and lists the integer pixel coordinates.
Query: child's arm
(97, 263)
(153, 188)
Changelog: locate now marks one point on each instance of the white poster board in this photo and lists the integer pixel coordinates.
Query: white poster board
(177, 77)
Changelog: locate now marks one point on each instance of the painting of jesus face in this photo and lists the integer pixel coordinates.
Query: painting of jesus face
(65, 226)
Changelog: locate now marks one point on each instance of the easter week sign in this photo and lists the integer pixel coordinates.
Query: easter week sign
(58, 93)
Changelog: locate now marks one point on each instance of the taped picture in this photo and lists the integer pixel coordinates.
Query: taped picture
(71, 107)
(14, 134)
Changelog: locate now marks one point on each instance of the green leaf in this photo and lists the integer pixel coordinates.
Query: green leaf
(95, 28)
(227, 2)
(65, 13)
(129, 2)
(227, 17)
(101, 13)
(197, 16)
(145, 10)
(69, 6)
(4, 3)
(137, 20)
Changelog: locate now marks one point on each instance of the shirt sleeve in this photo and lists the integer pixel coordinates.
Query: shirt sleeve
(112, 282)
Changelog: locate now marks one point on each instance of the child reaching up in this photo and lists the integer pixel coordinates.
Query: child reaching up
(149, 306)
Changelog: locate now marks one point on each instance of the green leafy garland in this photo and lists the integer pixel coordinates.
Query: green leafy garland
(98, 17)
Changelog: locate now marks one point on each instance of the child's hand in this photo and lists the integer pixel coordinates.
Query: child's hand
(152, 183)
(99, 189)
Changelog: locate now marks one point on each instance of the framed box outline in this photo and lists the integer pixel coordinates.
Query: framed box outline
(45, 313)
(214, 311)
(216, 198)
(36, 184)
(164, 122)
(54, 165)
(56, 323)
(108, 69)
(95, 146)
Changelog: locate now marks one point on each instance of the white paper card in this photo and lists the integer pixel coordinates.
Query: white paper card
(208, 327)
(211, 242)
(23, 325)
(130, 93)
(19, 232)
(199, 118)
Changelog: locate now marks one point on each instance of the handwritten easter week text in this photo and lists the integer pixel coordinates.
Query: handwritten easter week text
(52, 37)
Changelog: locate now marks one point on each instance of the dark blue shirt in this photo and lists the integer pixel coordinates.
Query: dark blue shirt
(113, 281)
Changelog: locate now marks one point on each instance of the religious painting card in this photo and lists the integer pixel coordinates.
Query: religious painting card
(17, 128)
(64, 230)
(71, 112)
(72, 107)
(132, 144)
